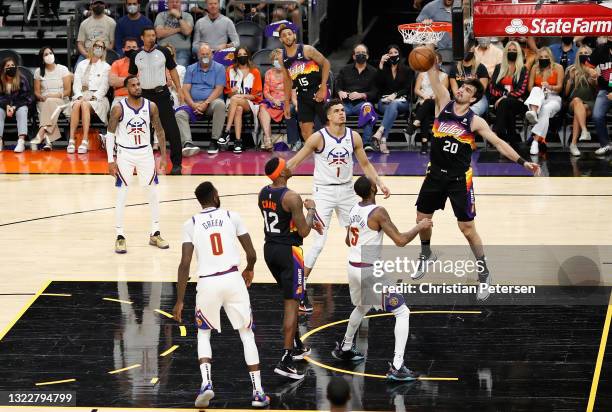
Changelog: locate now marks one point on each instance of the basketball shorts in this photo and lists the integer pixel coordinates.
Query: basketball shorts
(286, 263)
(330, 198)
(367, 289)
(308, 108)
(226, 291)
(438, 186)
(141, 160)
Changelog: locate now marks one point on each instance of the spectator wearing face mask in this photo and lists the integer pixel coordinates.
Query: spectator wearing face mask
(130, 25)
(529, 48)
(488, 55)
(601, 68)
(119, 70)
(15, 97)
(581, 90)
(564, 52)
(544, 101)
(97, 26)
(470, 68)
(356, 85)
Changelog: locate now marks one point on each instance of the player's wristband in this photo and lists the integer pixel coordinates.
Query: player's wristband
(520, 161)
(110, 146)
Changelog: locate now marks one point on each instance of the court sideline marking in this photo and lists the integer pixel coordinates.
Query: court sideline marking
(600, 357)
(23, 310)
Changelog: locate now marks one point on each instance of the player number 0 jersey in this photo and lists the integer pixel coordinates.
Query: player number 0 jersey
(361, 235)
(213, 233)
(334, 163)
(134, 128)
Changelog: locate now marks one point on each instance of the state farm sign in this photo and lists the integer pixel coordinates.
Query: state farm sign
(506, 19)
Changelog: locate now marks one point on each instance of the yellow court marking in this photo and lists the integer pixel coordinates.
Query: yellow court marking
(183, 330)
(378, 315)
(138, 365)
(166, 314)
(57, 294)
(169, 351)
(55, 382)
(600, 357)
(127, 302)
(154, 380)
(23, 310)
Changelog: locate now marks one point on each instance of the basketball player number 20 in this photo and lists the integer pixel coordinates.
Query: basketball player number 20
(450, 146)
(216, 245)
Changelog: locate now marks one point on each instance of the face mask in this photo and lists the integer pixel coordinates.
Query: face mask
(242, 60)
(512, 56)
(49, 59)
(567, 40)
(468, 56)
(361, 58)
(11, 71)
(132, 9)
(394, 59)
(205, 60)
(276, 64)
(583, 58)
(544, 62)
(98, 51)
(98, 9)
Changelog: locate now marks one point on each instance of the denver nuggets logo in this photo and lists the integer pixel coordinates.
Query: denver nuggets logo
(136, 128)
(338, 156)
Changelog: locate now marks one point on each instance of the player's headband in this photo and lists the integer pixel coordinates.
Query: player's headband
(276, 173)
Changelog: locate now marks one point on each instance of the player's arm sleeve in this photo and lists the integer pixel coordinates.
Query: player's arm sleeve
(238, 224)
(188, 227)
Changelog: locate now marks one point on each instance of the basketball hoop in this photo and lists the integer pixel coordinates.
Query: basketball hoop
(419, 33)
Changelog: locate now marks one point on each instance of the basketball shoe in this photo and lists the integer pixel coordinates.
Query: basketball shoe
(484, 278)
(120, 246)
(156, 240)
(422, 266)
(352, 355)
(204, 397)
(402, 374)
(287, 368)
(260, 400)
(298, 353)
(305, 305)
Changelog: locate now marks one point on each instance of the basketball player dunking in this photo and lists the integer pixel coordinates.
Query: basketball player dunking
(449, 174)
(307, 71)
(213, 233)
(132, 119)
(333, 148)
(285, 228)
(367, 224)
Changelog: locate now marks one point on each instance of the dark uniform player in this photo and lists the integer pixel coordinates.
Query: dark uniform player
(449, 174)
(307, 71)
(285, 228)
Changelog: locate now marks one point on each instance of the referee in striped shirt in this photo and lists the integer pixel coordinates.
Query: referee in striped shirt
(150, 64)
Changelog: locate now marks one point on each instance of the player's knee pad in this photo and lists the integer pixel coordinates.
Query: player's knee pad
(393, 301)
(251, 355)
(204, 349)
(402, 312)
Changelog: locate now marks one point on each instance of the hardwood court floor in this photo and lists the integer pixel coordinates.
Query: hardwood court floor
(60, 228)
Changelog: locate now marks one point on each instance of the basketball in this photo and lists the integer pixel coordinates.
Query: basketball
(421, 59)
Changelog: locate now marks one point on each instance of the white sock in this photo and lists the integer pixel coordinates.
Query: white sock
(205, 370)
(256, 381)
(154, 205)
(353, 324)
(120, 208)
(402, 325)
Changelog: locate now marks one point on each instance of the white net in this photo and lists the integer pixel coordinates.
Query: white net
(422, 35)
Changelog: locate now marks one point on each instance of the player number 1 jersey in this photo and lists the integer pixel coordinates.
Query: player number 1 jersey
(334, 163)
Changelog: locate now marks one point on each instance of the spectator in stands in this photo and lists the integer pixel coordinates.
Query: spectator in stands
(52, 88)
(601, 59)
(251, 12)
(356, 85)
(203, 91)
(508, 89)
(338, 394)
(470, 68)
(394, 82)
(175, 27)
(529, 48)
(244, 90)
(15, 98)
(89, 94)
(426, 104)
(293, 11)
(564, 52)
(490, 56)
(130, 25)
(439, 11)
(581, 90)
(215, 29)
(180, 70)
(271, 108)
(544, 101)
(96, 26)
(119, 70)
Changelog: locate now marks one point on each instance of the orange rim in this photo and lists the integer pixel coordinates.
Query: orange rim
(434, 26)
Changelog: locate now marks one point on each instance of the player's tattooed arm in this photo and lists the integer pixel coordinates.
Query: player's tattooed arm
(113, 121)
(365, 164)
(161, 135)
(110, 138)
(183, 277)
(382, 218)
(292, 202)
